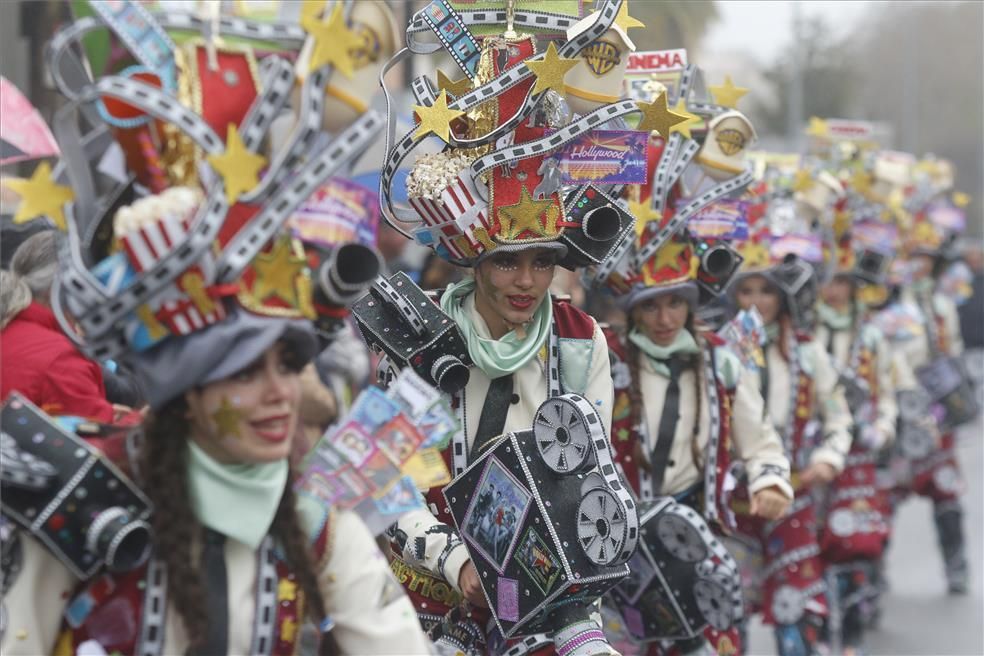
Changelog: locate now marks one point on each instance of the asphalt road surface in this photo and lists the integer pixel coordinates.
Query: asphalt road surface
(918, 617)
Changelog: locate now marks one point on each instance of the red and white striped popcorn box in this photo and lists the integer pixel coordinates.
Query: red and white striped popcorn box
(458, 212)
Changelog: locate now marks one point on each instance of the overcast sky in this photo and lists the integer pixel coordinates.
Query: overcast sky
(763, 28)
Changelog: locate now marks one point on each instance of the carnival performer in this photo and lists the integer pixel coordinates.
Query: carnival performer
(664, 437)
(856, 517)
(808, 408)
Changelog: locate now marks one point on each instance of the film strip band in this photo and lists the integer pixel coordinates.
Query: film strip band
(606, 466)
(711, 513)
(661, 177)
(277, 80)
(687, 78)
(142, 35)
(791, 557)
(608, 266)
(264, 624)
(396, 154)
(459, 441)
(534, 20)
(790, 427)
(680, 218)
(250, 240)
(553, 364)
(453, 34)
(151, 640)
(529, 644)
(402, 305)
(705, 108)
(423, 91)
(289, 35)
(726, 568)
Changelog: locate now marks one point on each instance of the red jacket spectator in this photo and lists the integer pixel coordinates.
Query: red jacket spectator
(41, 363)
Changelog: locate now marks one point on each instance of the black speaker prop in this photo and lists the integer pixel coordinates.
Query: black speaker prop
(683, 578)
(343, 274)
(871, 266)
(797, 280)
(604, 225)
(397, 318)
(718, 264)
(546, 520)
(948, 384)
(67, 495)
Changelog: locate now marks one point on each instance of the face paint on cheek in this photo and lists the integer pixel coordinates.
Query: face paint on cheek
(227, 419)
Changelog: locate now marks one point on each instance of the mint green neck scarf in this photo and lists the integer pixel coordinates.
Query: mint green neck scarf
(238, 501)
(496, 357)
(683, 344)
(834, 319)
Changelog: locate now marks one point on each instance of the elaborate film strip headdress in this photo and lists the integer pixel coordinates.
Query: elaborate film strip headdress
(208, 238)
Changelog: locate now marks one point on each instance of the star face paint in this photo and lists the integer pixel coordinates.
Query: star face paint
(510, 286)
(251, 416)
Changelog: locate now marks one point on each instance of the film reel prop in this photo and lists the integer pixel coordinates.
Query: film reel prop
(68, 496)
(683, 578)
(397, 318)
(546, 521)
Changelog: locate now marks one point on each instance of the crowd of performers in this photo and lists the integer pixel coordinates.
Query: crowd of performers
(770, 367)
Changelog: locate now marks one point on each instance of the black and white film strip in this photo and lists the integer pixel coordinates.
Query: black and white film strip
(288, 35)
(607, 266)
(449, 28)
(265, 617)
(402, 305)
(151, 639)
(713, 439)
(529, 644)
(277, 81)
(534, 20)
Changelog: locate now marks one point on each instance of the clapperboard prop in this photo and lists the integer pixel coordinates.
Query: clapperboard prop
(397, 318)
(604, 224)
(546, 521)
(68, 496)
(948, 384)
(682, 578)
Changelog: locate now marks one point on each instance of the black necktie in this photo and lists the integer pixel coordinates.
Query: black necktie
(216, 595)
(667, 421)
(494, 412)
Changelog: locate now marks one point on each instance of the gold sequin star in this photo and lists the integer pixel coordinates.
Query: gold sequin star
(227, 418)
(436, 118)
(817, 127)
(727, 94)
(861, 181)
(333, 41)
(689, 121)
(525, 215)
(286, 590)
(803, 180)
(756, 255)
(644, 215)
(40, 196)
(288, 630)
(626, 22)
(960, 199)
(481, 235)
(550, 71)
(238, 166)
(455, 88)
(277, 272)
(657, 116)
(668, 256)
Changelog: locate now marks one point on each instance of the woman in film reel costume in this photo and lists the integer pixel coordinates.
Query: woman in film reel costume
(210, 303)
(491, 199)
(804, 401)
(924, 328)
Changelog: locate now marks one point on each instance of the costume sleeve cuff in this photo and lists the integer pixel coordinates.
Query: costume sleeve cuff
(453, 564)
(886, 431)
(828, 456)
(771, 480)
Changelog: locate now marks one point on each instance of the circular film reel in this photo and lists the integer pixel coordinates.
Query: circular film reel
(787, 604)
(562, 436)
(843, 522)
(714, 602)
(601, 526)
(681, 538)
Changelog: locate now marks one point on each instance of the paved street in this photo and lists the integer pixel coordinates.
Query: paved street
(919, 618)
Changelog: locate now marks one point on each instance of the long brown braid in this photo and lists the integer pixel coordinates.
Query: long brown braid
(164, 466)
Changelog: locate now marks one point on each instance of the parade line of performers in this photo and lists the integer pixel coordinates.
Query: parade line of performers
(771, 365)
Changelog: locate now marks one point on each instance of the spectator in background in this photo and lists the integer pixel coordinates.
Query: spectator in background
(972, 311)
(39, 361)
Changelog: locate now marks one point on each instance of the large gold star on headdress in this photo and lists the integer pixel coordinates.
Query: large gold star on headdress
(817, 127)
(644, 215)
(626, 22)
(238, 166)
(227, 418)
(550, 70)
(525, 215)
(756, 254)
(727, 94)
(690, 121)
(458, 88)
(40, 196)
(436, 118)
(277, 272)
(657, 116)
(333, 41)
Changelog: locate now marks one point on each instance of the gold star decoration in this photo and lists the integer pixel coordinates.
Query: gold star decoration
(458, 88)
(727, 94)
(288, 629)
(644, 215)
(333, 41)
(482, 236)
(155, 329)
(667, 257)
(550, 70)
(238, 166)
(277, 273)
(40, 196)
(689, 121)
(657, 116)
(803, 180)
(286, 590)
(525, 215)
(817, 127)
(227, 418)
(861, 181)
(626, 22)
(756, 255)
(842, 222)
(436, 118)
(960, 199)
